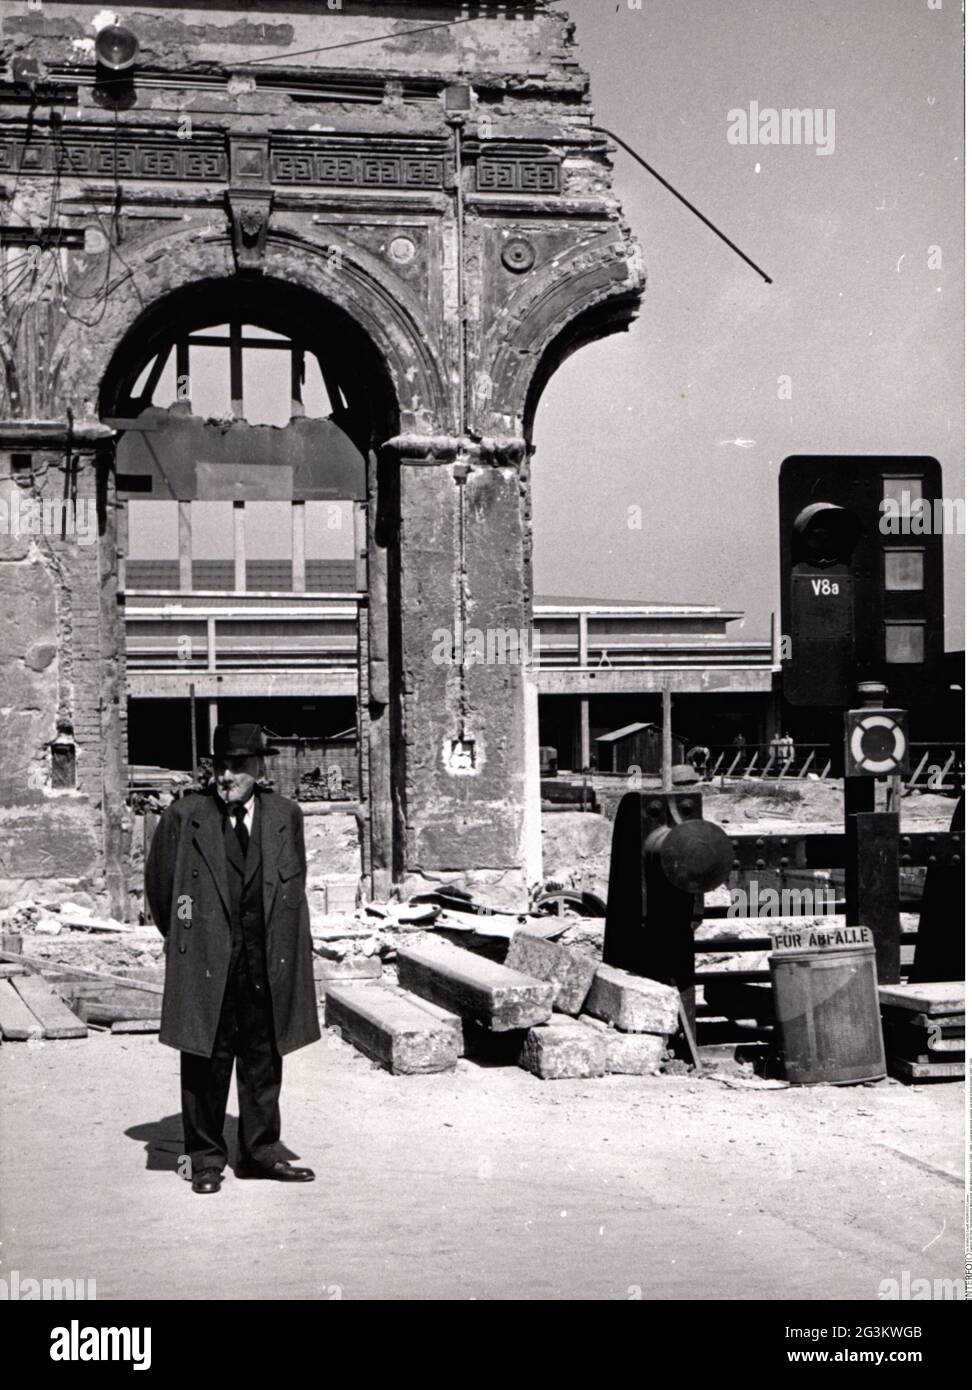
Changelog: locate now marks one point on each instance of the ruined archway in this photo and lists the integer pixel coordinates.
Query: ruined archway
(215, 635)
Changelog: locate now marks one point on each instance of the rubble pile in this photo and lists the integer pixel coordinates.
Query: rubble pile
(555, 1010)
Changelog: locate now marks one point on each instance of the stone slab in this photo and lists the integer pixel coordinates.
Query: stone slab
(632, 1003)
(564, 1048)
(390, 1029)
(490, 994)
(353, 967)
(445, 1017)
(571, 971)
(630, 1054)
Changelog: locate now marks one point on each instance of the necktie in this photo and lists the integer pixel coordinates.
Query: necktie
(238, 812)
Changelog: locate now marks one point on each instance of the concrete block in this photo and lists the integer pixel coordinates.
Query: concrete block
(493, 995)
(444, 1017)
(564, 1048)
(352, 967)
(634, 1054)
(569, 970)
(391, 1029)
(631, 1002)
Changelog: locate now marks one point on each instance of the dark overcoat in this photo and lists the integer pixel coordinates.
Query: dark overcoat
(188, 894)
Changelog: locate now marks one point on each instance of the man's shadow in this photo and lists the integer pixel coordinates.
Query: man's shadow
(164, 1145)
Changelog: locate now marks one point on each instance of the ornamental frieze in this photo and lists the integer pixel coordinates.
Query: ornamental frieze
(203, 158)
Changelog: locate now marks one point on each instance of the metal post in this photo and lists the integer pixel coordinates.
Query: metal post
(192, 727)
(666, 767)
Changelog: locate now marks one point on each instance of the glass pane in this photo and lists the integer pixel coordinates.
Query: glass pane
(153, 530)
(139, 386)
(212, 530)
(330, 530)
(899, 487)
(209, 381)
(904, 569)
(317, 403)
(904, 643)
(250, 331)
(268, 530)
(266, 387)
(165, 393)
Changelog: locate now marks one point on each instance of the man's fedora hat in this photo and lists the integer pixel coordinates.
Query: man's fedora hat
(240, 741)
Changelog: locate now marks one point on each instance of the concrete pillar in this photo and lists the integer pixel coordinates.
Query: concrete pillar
(463, 766)
(532, 824)
(584, 727)
(298, 547)
(666, 757)
(185, 546)
(239, 547)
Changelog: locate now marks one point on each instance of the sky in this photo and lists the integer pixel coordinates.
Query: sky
(682, 416)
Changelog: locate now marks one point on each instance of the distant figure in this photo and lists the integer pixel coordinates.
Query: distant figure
(699, 757)
(775, 748)
(787, 748)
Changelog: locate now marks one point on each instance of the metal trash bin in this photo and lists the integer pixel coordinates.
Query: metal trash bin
(827, 1009)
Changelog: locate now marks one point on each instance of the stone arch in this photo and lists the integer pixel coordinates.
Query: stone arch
(594, 294)
(161, 267)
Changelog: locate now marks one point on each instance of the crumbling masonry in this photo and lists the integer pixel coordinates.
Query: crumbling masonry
(438, 208)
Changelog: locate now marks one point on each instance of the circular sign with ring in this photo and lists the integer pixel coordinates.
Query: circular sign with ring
(877, 743)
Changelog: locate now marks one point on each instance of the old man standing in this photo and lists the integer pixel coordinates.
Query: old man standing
(225, 882)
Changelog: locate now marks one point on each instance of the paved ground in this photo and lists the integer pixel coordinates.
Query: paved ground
(481, 1184)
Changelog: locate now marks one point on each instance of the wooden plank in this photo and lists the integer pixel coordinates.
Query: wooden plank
(17, 1023)
(947, 1024)
(108, 1014)
(137, 1025)
(7, 970)
(926, 1071)
(934, 997)
(50, 1009)
(921, 1046)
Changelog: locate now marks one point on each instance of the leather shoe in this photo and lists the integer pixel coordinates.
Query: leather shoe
(276, 1172)
(207, 1180)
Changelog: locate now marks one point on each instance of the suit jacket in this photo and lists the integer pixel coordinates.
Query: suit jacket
(188, 893)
